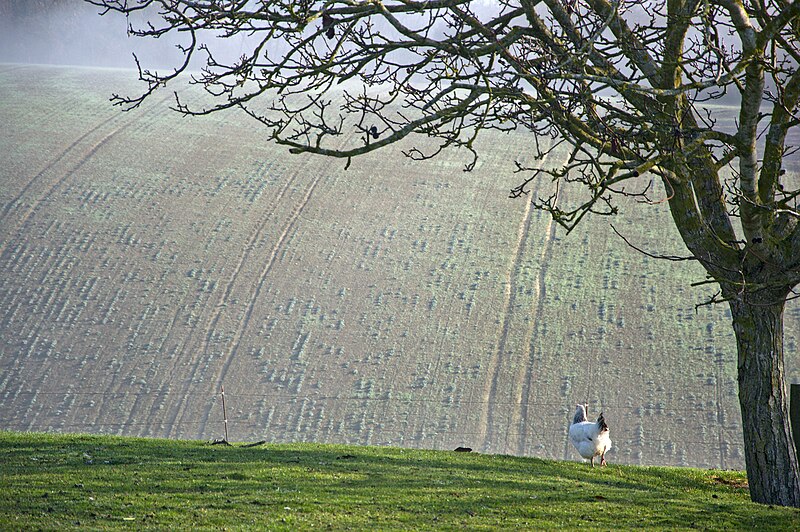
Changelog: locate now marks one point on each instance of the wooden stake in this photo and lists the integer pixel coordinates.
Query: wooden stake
(224, 413)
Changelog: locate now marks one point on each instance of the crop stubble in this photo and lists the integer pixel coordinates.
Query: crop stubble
(148, 259)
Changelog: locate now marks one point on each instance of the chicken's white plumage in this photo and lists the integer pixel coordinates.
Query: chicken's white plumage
(590, 438)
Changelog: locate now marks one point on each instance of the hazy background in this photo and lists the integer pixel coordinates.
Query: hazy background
(71, 32)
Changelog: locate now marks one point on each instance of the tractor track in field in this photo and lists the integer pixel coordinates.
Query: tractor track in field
(526, 381)
(259, 285)
(520, 387)
(206, 335)
(62, 176)
(496, 366)
(234, 342)
(65, 175)
(117, 384)
(66, 151)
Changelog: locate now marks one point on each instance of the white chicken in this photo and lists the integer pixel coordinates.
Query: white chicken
(589, 438)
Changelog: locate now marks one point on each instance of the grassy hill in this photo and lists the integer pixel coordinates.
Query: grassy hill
(77, 481)
(146, 260)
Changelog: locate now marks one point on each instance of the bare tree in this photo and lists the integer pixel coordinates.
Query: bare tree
(627, 86)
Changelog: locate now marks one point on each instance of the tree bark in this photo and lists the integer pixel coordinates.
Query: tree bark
(772, 468)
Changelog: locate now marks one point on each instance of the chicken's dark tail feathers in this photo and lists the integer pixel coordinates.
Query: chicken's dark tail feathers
(601, 422)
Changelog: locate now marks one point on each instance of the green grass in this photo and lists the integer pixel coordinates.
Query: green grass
(101, 482)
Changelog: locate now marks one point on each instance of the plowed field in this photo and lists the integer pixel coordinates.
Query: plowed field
(147, 260)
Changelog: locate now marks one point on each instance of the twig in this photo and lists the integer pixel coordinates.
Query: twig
(674, 258)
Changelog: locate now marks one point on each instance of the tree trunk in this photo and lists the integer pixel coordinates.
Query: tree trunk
(772, 469)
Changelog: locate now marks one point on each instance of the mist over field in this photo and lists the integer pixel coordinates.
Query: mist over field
(72, 33)
(68, 33)
(147, 260)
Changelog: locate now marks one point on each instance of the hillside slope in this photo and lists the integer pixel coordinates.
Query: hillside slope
(100, 482)
(147, 260)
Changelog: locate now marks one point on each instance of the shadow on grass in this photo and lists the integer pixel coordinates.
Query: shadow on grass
(407, 487)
